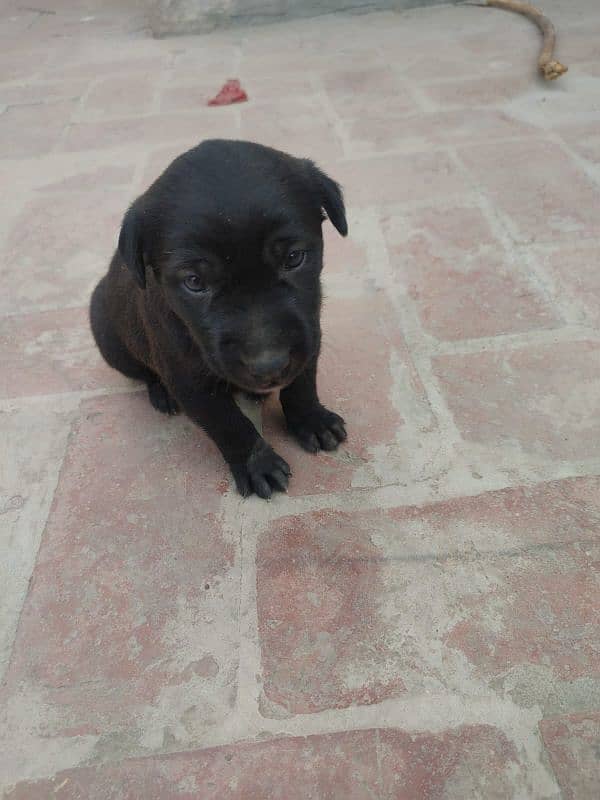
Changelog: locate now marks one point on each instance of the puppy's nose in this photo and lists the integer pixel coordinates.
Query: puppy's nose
(270, 364)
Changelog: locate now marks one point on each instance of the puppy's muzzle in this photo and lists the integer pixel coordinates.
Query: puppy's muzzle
(267, 369)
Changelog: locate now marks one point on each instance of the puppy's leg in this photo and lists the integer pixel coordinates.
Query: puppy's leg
(116, 354)
(110, 344)
(161, 399)
(313, 425)
(256, 467)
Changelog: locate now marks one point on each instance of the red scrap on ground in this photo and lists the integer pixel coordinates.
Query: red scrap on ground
(231, 92)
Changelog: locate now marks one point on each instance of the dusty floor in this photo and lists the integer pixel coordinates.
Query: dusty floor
(419, 617)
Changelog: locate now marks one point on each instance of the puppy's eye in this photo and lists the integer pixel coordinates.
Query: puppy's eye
(195, 284)
(294, 259)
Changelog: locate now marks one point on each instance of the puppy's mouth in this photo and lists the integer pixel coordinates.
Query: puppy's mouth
(267, 385)
(266, 388)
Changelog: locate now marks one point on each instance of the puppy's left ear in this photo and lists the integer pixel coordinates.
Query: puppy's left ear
(331, 198)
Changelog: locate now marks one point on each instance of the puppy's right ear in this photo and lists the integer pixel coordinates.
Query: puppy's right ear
(131, 245)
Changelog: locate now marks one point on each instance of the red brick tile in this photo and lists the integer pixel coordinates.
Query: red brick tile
(51, 352)
(470, 762)
(23, 62)
(33, 129)
(488, 52)
(460, 43)
(459, 230)
(584, 138)
(119, 630)
(459, 276)
(43, 91)
(120, 94)
(148, 131)
(80, 65)
(482, 124)
(357, 765)
(209, 61)
(263, 88)
(538, 187)
(382, 129)
(581, 45)
(414, 178)
(345, 257)
(370, 89)
(15, 24)
(545, 399)
(577, 279)
(356, 607)
(573, 744)
(60, 245)
(302, 129)
(322, 636)
(446, 63)
(352, 370)
(109, 175)
(538, 611)
(298, 55)
(554, 513)
(479, 91)
(34, 439)
(591, 68)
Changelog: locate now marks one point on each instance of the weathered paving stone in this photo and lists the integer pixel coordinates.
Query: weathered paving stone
(460, 278)
(542, 399)
(573, 745)
(385, 129)
(34, 439)
(408, 178)
(542, 204)
(499, 589)
(60, 244)
(32, 130)
(129, 628)
(462, 764)
(50, 352)
(576, 277)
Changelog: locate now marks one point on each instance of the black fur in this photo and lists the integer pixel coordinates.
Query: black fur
(205, 295)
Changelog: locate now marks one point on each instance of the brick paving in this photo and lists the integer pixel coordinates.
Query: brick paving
(418, 616)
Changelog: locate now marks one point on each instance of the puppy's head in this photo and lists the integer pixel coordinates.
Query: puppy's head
(230, 234)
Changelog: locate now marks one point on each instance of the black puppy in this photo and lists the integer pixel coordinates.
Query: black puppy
(215, 287)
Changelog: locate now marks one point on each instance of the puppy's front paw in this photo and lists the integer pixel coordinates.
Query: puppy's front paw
(161, 399)
(318, 429)
(262, 473)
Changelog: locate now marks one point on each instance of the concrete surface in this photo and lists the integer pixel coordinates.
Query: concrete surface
(176, 17)
(418, 618)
